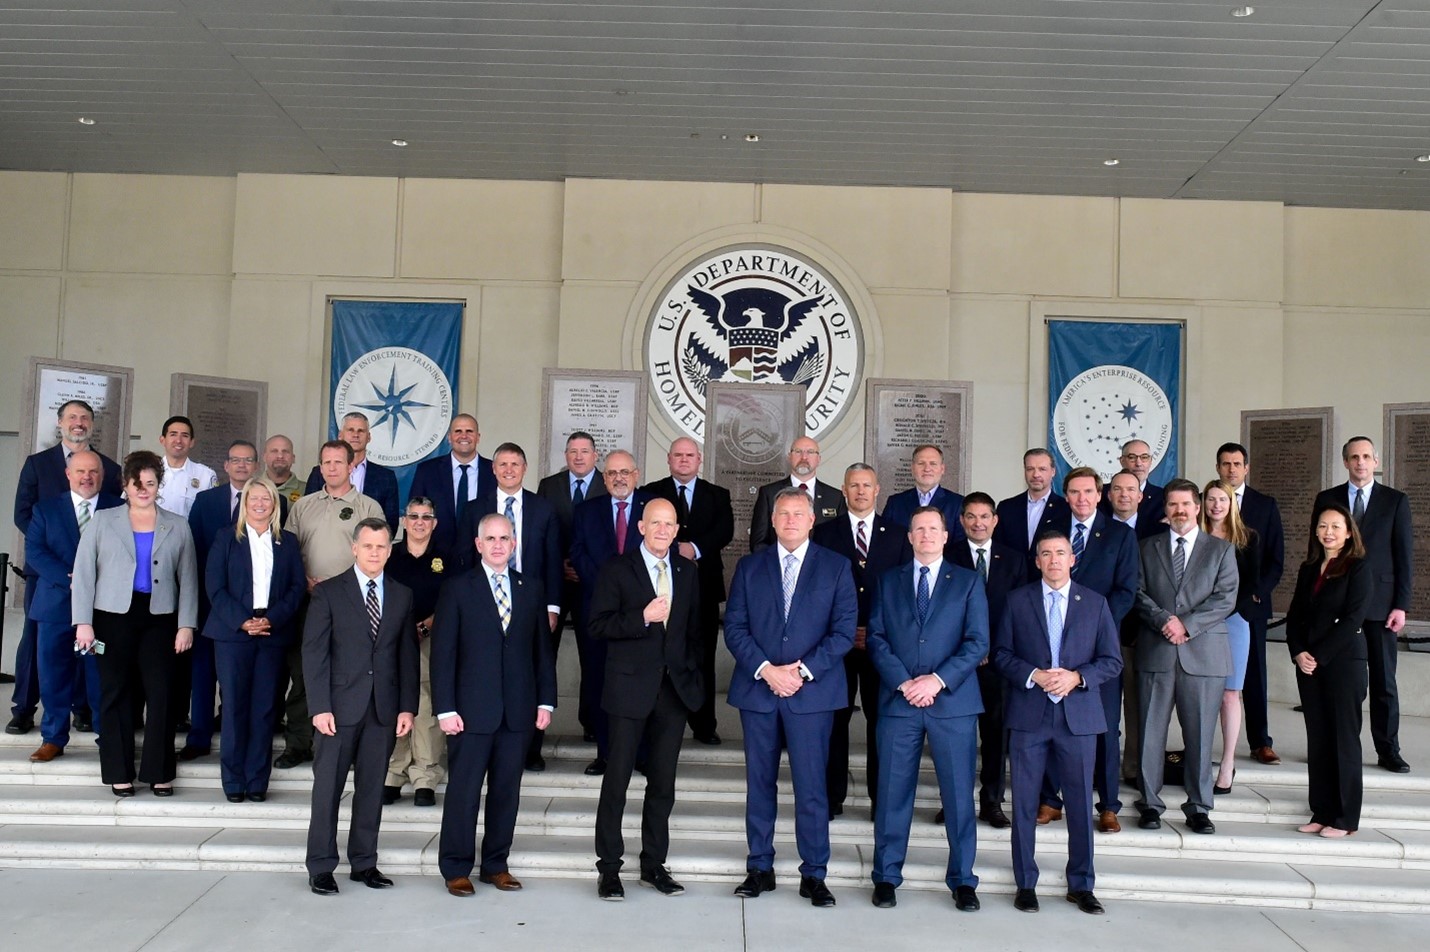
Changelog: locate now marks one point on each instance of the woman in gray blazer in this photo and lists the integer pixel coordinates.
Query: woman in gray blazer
(135, 602)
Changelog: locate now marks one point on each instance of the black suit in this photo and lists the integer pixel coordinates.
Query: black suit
(1007, 570)
(709, 525)
(1012, 528)
(364, 682)
(379, 484)
(433, 480)
(888, 548)
(828, 503)
(1385, 531)
(653, 681)
(494, 680)
(1261, 514)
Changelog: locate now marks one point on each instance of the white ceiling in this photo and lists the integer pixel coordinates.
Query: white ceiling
(1311, 102)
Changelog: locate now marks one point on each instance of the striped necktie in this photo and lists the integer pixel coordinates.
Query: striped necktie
(374, 610)
(791, 575)
(861, 541)
(1179, 561)
(83, 517)
(515, 541)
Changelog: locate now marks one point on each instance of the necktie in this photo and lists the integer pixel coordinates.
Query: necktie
(1055, 632)
(861, 541)
(662, 581)
(621, 527)
(1358, 510)
(578, 496)
(808, 491)
(791, 575)
(374, 610)
(923, 593)
(1079, 542)
(683, 509)
(982, 565)
(462, 489)
(1179, 561)
(83, 517)
(233, 511)
(515, 541)
(503, 603)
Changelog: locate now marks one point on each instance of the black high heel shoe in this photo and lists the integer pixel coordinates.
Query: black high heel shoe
(1223, 791)
(119, 791)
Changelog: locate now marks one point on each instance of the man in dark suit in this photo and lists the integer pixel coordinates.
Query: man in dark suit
(647, 610)
(601, 528)
(373, 480)
(493, 683)
(1261, 514)
(707, 524)
(1125, 494)
(1022, 517)
(42, 477)
(873, 546)
(453, 480)
(789, 622)
(1001, 570)
(1056, 644)
(803, 465)
(360, 671)
(928, 633)
(1383, 516)
(1136, 459)
(928, 470)
(50, 546)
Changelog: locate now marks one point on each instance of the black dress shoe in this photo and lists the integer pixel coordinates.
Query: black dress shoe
(993, 815)
(609, 887)
(1150, 820)
(162, 790)
(292, 758)
(1086, 902)
(756, 881)
(424, 797)
(84, 724)
(20, 724)
(659, 879)
(1025, 900)
(965, 899)
(836, 809)
(596, 768)
(323, 884)
(1393, 763)
(370, 877)
(816, 892)
(884, 897)
(535, 762)
(1200, 823)
(390, 795)
(122, 791)
(194, 753)
(235, 797)
(939, 817)
(256, 796)
(711, 739)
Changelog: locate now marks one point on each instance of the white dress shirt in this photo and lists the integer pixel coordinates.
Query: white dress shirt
(1191, 538)
(260, 550)
(1035, 515)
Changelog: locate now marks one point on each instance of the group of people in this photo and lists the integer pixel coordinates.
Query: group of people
(1028, 630)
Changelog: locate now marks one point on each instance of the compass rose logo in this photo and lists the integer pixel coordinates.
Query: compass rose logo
(406, 398)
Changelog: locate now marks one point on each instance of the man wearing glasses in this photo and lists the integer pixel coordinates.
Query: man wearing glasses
(828, 501)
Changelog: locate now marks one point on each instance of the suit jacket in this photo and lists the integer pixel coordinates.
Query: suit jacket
(556, 489)
(950, 643)
(211, 513)
(228, 581)
(1260, 513)
(343, 667)
(900, 509)
(636, 653)
(1109, 564)
(710, 525)
(539, 545)
(488, 676)
(593, 539)
(433, 479)
(1089, 647)
(828, 503)
(1328, 623)
(1007, 570)
(1152, 508)
(1206, 597)
(1385, 531)
(1012, 528)
(105, 561)
(819, 631)
(379, 484)
(50, 547)
(888, 548)
(43, 476)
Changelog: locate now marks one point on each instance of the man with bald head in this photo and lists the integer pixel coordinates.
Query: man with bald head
(827, 500)
(278, 458)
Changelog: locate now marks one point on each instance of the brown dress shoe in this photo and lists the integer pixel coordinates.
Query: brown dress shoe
(1107, 822)
(1047, 814)
(46, 753)
(504, 881)
(461, 886)
(1265, 755)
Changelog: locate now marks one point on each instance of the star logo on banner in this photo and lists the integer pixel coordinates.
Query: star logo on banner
(1129, 411)
(393, 405)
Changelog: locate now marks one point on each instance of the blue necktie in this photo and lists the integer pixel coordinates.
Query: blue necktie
(579, 495)
(1079, 542)
(1055, 631)
(789, 579)
(923, 593)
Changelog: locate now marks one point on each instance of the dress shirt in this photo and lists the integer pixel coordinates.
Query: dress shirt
(689, 502)
(359, 475)
(934, 568)
(651, 562)
(1035, 515)
(1062, 611)
(502, 497)
(973, 550)
(76, 499)
(362, 587)
(260, 550)
(1086, 529)
(181, 484)
(572, 479)
(868, 529)
(630, 502)
(1351, 495)
(1191, 538)
(808, 487)
(491, 587)
(471, 475)
(1130, 523)
(926, 498)
(799, 555)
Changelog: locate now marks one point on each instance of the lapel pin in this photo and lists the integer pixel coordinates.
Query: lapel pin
(1077, 598)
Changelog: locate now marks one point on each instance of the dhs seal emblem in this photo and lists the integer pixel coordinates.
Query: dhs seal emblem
(406, 398)
(1102, 408)
(759, 315)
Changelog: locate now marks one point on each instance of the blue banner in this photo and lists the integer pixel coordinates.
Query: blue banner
(1109, 383)
(397, 363)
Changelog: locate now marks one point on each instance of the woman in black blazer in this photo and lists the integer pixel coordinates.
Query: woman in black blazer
(255, 582)
(1323, 634)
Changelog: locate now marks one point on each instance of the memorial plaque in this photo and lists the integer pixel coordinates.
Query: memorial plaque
(1291, 458)
(223, 409)
(608, 404)
(109, 390)
(902, 414)
(749, 429)
(1407, 468)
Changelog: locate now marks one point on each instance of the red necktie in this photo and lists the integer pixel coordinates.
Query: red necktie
(621, 528)
(861, 541)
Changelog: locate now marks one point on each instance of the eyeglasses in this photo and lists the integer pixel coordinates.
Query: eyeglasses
(250, 460)
(421, 516)
(1138, 457)
(621, 473)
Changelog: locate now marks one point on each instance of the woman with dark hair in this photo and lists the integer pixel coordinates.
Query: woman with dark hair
(135, 601)
(1323, 634)
(255, 582)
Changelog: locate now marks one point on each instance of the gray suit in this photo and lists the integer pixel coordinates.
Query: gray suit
(108, 541)
(1190, 676)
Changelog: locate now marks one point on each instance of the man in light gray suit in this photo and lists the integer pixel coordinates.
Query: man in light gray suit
(1188, 587)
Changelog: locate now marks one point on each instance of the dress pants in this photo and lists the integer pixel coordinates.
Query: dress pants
(660, 734)
(1034, 754)
(1107, 771)
(1382, 652)
(1331, 700)
(593, 683)
(1131, 714)
(421, 756)
(138, 654)
(67, 681)
(807, 738)
(362, 748)
(952, 742)
(497, 758)
(1197, 700)
(247, 674)
(204, 692)
(864, 680)
(702, 720)
(298, 726)
(992, 737)
(1253, 690)
(26, 696)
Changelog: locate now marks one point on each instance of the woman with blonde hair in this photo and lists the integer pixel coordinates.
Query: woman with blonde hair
(1221, 519)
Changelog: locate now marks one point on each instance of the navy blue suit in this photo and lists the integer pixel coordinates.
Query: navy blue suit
(250, 667)
(379, 484)
(818, 633)
(949, 642)
(210, 515)
(900, 509)
(1012, 528)
(66, 681)
(433, 479)
(1064, 733)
